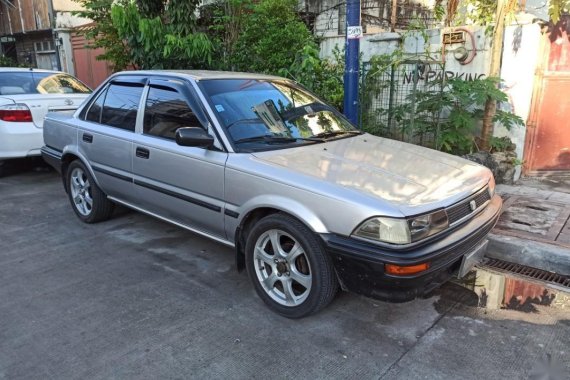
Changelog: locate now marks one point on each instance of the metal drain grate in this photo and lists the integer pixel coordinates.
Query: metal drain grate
(523, 270)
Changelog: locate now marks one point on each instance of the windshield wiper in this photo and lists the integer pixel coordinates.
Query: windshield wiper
(266, 138)
(275, 139)
(335, 133)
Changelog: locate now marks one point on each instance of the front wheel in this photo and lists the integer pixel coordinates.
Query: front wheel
(87, 199)
(288, 266)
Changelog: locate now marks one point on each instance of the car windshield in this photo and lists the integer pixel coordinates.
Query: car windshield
(267, 114)
(36, 82)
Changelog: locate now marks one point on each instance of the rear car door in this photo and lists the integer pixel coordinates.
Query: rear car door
(180, 183)
(106, 133)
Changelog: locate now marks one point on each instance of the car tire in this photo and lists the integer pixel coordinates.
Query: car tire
(297, 280)
(2, 168)
(88, 201)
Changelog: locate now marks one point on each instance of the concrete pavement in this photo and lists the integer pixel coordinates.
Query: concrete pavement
(534, 229)
(137, 298)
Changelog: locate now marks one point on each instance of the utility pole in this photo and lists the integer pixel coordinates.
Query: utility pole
(394, 15)
(352, 53)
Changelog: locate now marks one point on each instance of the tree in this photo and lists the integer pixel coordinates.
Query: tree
(271, 37)
(225, 21)
(103, 34)
(162, 34)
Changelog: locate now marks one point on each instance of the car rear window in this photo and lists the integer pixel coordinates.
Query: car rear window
(21, 83)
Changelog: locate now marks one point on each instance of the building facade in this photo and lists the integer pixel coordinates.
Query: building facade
(37, 33)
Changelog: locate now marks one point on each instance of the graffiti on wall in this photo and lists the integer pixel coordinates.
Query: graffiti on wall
(434, 76)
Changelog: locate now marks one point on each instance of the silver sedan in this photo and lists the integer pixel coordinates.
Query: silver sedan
(310, 203)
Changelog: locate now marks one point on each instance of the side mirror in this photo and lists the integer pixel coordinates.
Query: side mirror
(194, 136)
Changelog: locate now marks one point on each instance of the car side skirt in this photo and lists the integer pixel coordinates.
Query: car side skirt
(196, 231)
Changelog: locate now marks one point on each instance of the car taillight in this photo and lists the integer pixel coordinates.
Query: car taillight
(15, 113)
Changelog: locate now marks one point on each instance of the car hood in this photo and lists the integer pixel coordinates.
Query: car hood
(410, 177)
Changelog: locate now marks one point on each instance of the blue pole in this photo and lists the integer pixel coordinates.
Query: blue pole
(352, 52)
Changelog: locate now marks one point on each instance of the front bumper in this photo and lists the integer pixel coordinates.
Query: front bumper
(360, 264)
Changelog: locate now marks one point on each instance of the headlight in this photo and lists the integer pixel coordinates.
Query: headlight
(403, 231)
(388, 230)
(492, 186)
(427, 225)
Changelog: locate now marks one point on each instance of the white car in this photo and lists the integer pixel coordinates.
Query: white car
(26, 96)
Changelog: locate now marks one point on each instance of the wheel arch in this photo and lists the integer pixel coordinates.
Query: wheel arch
(67, 158)
(267, 207)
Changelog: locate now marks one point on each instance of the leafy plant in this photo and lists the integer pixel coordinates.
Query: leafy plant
(102, 33)
(556, 8)
(8, 62)
(322, 76)
(271, 37)
(224, 21)
(444, 115)
(165, 41)
(501, 144)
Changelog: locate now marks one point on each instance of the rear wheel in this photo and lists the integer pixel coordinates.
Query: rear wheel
(88, 201)
(289, 268)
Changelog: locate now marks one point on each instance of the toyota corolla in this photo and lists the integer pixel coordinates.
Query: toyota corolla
(310, 203)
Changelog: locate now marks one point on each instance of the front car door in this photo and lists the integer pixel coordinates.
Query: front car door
(181, 184)
(106, 132)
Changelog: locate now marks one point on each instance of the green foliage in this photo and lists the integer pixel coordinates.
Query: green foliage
(271, 37)
(166, 41)
(225, 21)
(444, 115)
(556, 8)
(322, 76)
(501, 144)
(104, 34)
(8, 62)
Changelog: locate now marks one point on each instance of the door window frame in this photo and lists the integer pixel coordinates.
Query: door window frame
(127, 80)
(185, 89)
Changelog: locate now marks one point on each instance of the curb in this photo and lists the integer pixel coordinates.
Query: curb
(549, 257)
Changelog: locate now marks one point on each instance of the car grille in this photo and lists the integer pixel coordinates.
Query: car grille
(462, 209)
(464, 247)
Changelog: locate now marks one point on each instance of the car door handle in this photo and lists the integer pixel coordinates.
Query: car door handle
(87, 138)
(142, 153)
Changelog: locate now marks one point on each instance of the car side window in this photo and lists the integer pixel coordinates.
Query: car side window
(94, 112)
(166, 111)
(121, 105)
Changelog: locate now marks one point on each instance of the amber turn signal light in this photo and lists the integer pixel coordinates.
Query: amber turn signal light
(399, 270)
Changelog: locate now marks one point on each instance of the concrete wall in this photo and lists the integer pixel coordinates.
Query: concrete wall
(519, 61)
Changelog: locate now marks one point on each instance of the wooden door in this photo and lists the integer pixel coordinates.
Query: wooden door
(547, 148)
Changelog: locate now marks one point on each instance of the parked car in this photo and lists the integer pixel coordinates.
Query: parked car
(26, 96)
(258, 163)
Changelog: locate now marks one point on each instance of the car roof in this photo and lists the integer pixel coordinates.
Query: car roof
(27, 69)
(205, 74)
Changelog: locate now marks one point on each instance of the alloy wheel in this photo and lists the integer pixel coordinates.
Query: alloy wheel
(81, 192)
(282, 268)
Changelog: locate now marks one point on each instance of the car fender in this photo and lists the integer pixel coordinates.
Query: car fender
(70, 149)
(290, 206)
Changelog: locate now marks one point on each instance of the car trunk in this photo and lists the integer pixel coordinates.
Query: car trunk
(41, 104)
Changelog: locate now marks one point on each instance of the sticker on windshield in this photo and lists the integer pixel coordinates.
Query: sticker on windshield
(309, 110)
(220, 108)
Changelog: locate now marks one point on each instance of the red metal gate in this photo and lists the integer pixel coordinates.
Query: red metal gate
(87, 68)
(547, 148)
